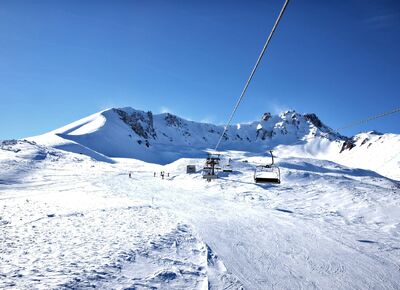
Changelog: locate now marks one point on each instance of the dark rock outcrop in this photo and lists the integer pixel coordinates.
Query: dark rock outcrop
(140, 122)
(314, 120)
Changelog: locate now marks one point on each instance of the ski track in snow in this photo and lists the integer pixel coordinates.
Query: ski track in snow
(69, 222)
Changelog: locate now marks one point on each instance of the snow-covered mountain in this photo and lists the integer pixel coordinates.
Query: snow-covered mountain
(163, 138)
(131, 133)
(73, 221)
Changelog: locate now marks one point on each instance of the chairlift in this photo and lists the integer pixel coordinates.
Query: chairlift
(227, 167)
(210, 169)
(269, 173)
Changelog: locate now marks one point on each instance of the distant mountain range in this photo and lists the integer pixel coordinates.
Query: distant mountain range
(163, 138)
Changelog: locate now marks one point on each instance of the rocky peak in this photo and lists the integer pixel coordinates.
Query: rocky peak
(313, 119)
(140, 122)
(266, 116)
(172, 120)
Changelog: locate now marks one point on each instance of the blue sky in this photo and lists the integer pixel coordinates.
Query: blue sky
(63, 60)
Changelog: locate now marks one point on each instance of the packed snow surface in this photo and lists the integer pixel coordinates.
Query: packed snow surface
(69, 221)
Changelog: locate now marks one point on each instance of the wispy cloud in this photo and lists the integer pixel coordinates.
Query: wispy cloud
(383, 19)
(165, 109)
(277, 108)
(208, 119)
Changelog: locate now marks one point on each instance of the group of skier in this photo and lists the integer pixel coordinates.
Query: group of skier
(162, 174)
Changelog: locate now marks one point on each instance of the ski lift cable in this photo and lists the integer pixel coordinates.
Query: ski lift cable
(356, 123)
(397, 110)
(252, 73)
(389, 160)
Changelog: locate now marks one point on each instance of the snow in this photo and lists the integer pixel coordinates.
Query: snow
(71, 221)
(378, 152)
(71, 217)
(164, 138)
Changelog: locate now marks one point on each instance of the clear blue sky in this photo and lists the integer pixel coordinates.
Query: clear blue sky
(63, 60)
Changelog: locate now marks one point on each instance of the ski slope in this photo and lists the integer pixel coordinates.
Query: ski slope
(69, 221)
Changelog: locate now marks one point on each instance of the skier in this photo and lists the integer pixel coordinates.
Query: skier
(130, 175)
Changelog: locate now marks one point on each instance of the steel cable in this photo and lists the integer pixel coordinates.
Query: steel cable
(252, 73)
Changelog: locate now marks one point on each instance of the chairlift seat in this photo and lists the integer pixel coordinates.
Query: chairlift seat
(227, 168)
(267, 174)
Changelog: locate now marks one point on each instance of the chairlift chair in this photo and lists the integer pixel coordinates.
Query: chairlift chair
(269, 173)
(227, 168)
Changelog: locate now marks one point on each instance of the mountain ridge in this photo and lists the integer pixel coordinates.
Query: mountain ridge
(163, 138)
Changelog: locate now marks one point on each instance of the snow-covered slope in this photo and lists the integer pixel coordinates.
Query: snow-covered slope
(70, 222)
(163, 138)
(374, 151)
